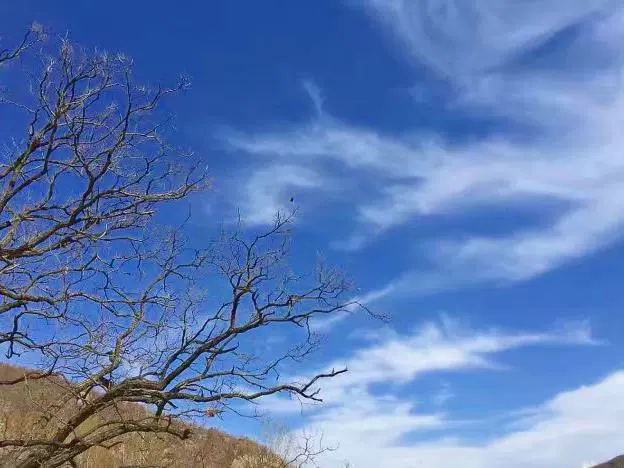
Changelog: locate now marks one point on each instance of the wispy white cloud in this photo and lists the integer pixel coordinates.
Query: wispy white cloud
(444, 346)
(316, 96)
(459, 38)
(561, 146)
(328, 138)
(270, 189)
(443, 395)
(448, 345)
(370, 427)
(575, 428)
(572, 156)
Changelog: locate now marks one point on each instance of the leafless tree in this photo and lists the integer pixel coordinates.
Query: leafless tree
(120, 306)
(284, 448)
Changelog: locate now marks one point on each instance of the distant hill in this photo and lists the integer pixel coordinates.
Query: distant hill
(617, 462)
(206, 448)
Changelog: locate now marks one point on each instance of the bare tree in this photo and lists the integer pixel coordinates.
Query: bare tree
(284, 448)
(120, 306)
(84, 178)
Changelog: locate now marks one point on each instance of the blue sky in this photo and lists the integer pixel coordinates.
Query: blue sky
(461, 160)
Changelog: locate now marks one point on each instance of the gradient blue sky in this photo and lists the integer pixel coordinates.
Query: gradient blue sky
(462, 160)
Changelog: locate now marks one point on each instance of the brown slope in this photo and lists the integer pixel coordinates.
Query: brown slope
(617, 462)
(206, 448)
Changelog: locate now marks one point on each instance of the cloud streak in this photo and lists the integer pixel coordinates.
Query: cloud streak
(459, 38)
(555, 156)
(570, 158)
(370, 425)
(574, 429)
(444, 346)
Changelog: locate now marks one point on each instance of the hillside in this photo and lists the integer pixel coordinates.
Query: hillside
(206, 448)
(617, 462)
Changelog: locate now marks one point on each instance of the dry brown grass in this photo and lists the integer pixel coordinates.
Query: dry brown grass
(21, 416)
